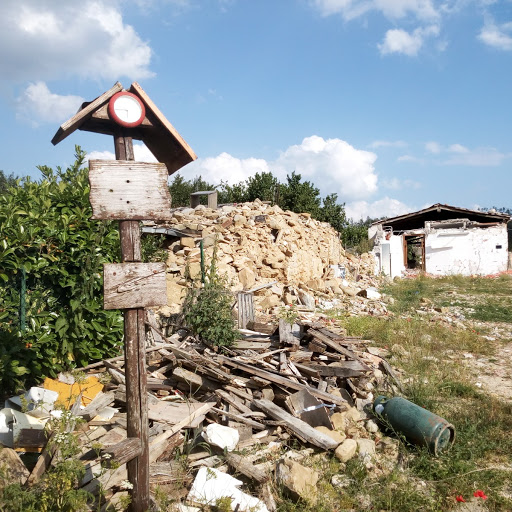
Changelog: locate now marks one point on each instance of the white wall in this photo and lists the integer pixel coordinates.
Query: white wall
(467, 252)
(396, 255)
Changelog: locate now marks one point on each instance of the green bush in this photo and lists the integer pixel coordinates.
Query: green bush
(207, 309)
(46, 229)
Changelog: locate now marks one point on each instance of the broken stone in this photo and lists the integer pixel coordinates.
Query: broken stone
(346, 450)
(298, 479)
(187, 241)
(333, 434)
(247, 278)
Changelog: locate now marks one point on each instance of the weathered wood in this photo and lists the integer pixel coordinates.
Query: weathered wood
(245, 309)
(86, 112)
(173, 413)
(335, 346)
(240, 418)
(194, 380)
(166, 144)
(309, 409)
(246, 468)
(286, 338)
(135, 358)
(283, 381)
(124, 451)
(159, 443)
(300, 428)
(100, 401)
(251, 345)
(344, 369)
(127, 190)
(134, 285)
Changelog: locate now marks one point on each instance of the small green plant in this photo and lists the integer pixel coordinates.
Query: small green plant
(207, 308)
(289, 313)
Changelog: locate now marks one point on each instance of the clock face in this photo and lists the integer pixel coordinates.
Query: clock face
(126, 109)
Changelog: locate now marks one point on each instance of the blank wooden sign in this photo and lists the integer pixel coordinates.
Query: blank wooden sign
(127, 190)
(134, 285)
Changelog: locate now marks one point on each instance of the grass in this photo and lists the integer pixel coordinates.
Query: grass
(435, 376)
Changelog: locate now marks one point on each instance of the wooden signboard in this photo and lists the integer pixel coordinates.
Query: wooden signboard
(134, 285)
(128, 190)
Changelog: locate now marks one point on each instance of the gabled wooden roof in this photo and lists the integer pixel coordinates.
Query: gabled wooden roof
(157, 133)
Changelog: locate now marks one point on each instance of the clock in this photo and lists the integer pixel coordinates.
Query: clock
(126, 109)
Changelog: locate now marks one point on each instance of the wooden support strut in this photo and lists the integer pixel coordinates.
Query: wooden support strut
(135, 357)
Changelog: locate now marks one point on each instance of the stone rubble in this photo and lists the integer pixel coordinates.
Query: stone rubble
(256, 244)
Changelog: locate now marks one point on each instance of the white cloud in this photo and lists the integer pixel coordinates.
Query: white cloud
(385, 207)
(388, 144)
(37, 104)
(393, 9)
(396, 184)
(333, 165)
(140, 152)
(479, 157)
(458, 148)
(48, 40)
(433, 147)
(400, 41)
(410, 158)
(225, 167)
(497, 36)
(461, 155)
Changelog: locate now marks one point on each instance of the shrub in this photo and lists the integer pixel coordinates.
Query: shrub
(46, 230)
(207, 309)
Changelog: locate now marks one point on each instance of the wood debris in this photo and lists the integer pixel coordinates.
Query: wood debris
(270, 388)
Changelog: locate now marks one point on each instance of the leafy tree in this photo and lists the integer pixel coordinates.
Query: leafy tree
(333, 213)
(181, 189)
(47, 231)
(262, 186)
(7, 181)
(236, 193)
(299, 196)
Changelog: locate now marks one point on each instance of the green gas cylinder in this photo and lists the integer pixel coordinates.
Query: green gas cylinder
(418, 425)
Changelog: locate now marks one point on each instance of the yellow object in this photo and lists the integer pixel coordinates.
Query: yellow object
(68, 393)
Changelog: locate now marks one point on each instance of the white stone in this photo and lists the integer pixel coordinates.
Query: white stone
(221, 436)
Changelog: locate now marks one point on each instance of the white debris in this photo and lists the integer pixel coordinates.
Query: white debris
(212, 485)
(221, 436)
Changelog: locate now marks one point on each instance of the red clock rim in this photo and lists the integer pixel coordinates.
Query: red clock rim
(117, 119)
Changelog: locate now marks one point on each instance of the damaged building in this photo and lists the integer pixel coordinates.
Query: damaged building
(442, 240)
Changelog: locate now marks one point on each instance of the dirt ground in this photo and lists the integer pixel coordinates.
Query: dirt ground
(494, 374)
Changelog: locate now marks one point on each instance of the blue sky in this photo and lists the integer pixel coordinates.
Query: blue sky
(392, 104)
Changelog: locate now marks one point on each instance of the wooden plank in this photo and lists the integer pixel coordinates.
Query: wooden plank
(286, 338)
(84, 113)
(100, 401)
(123, 189)
(282, 381)
(300, 428)
(134, 285)
(343, 369)
(167, 145)
(247, 468)
(336, 346)
(125, 450)
(173, 413)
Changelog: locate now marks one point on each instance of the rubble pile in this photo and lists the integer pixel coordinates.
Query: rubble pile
(259, 244)
(206, 408)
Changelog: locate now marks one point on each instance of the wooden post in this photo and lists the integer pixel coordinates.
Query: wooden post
(135, 357)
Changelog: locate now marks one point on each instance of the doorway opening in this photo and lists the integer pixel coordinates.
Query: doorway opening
(414, 252)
